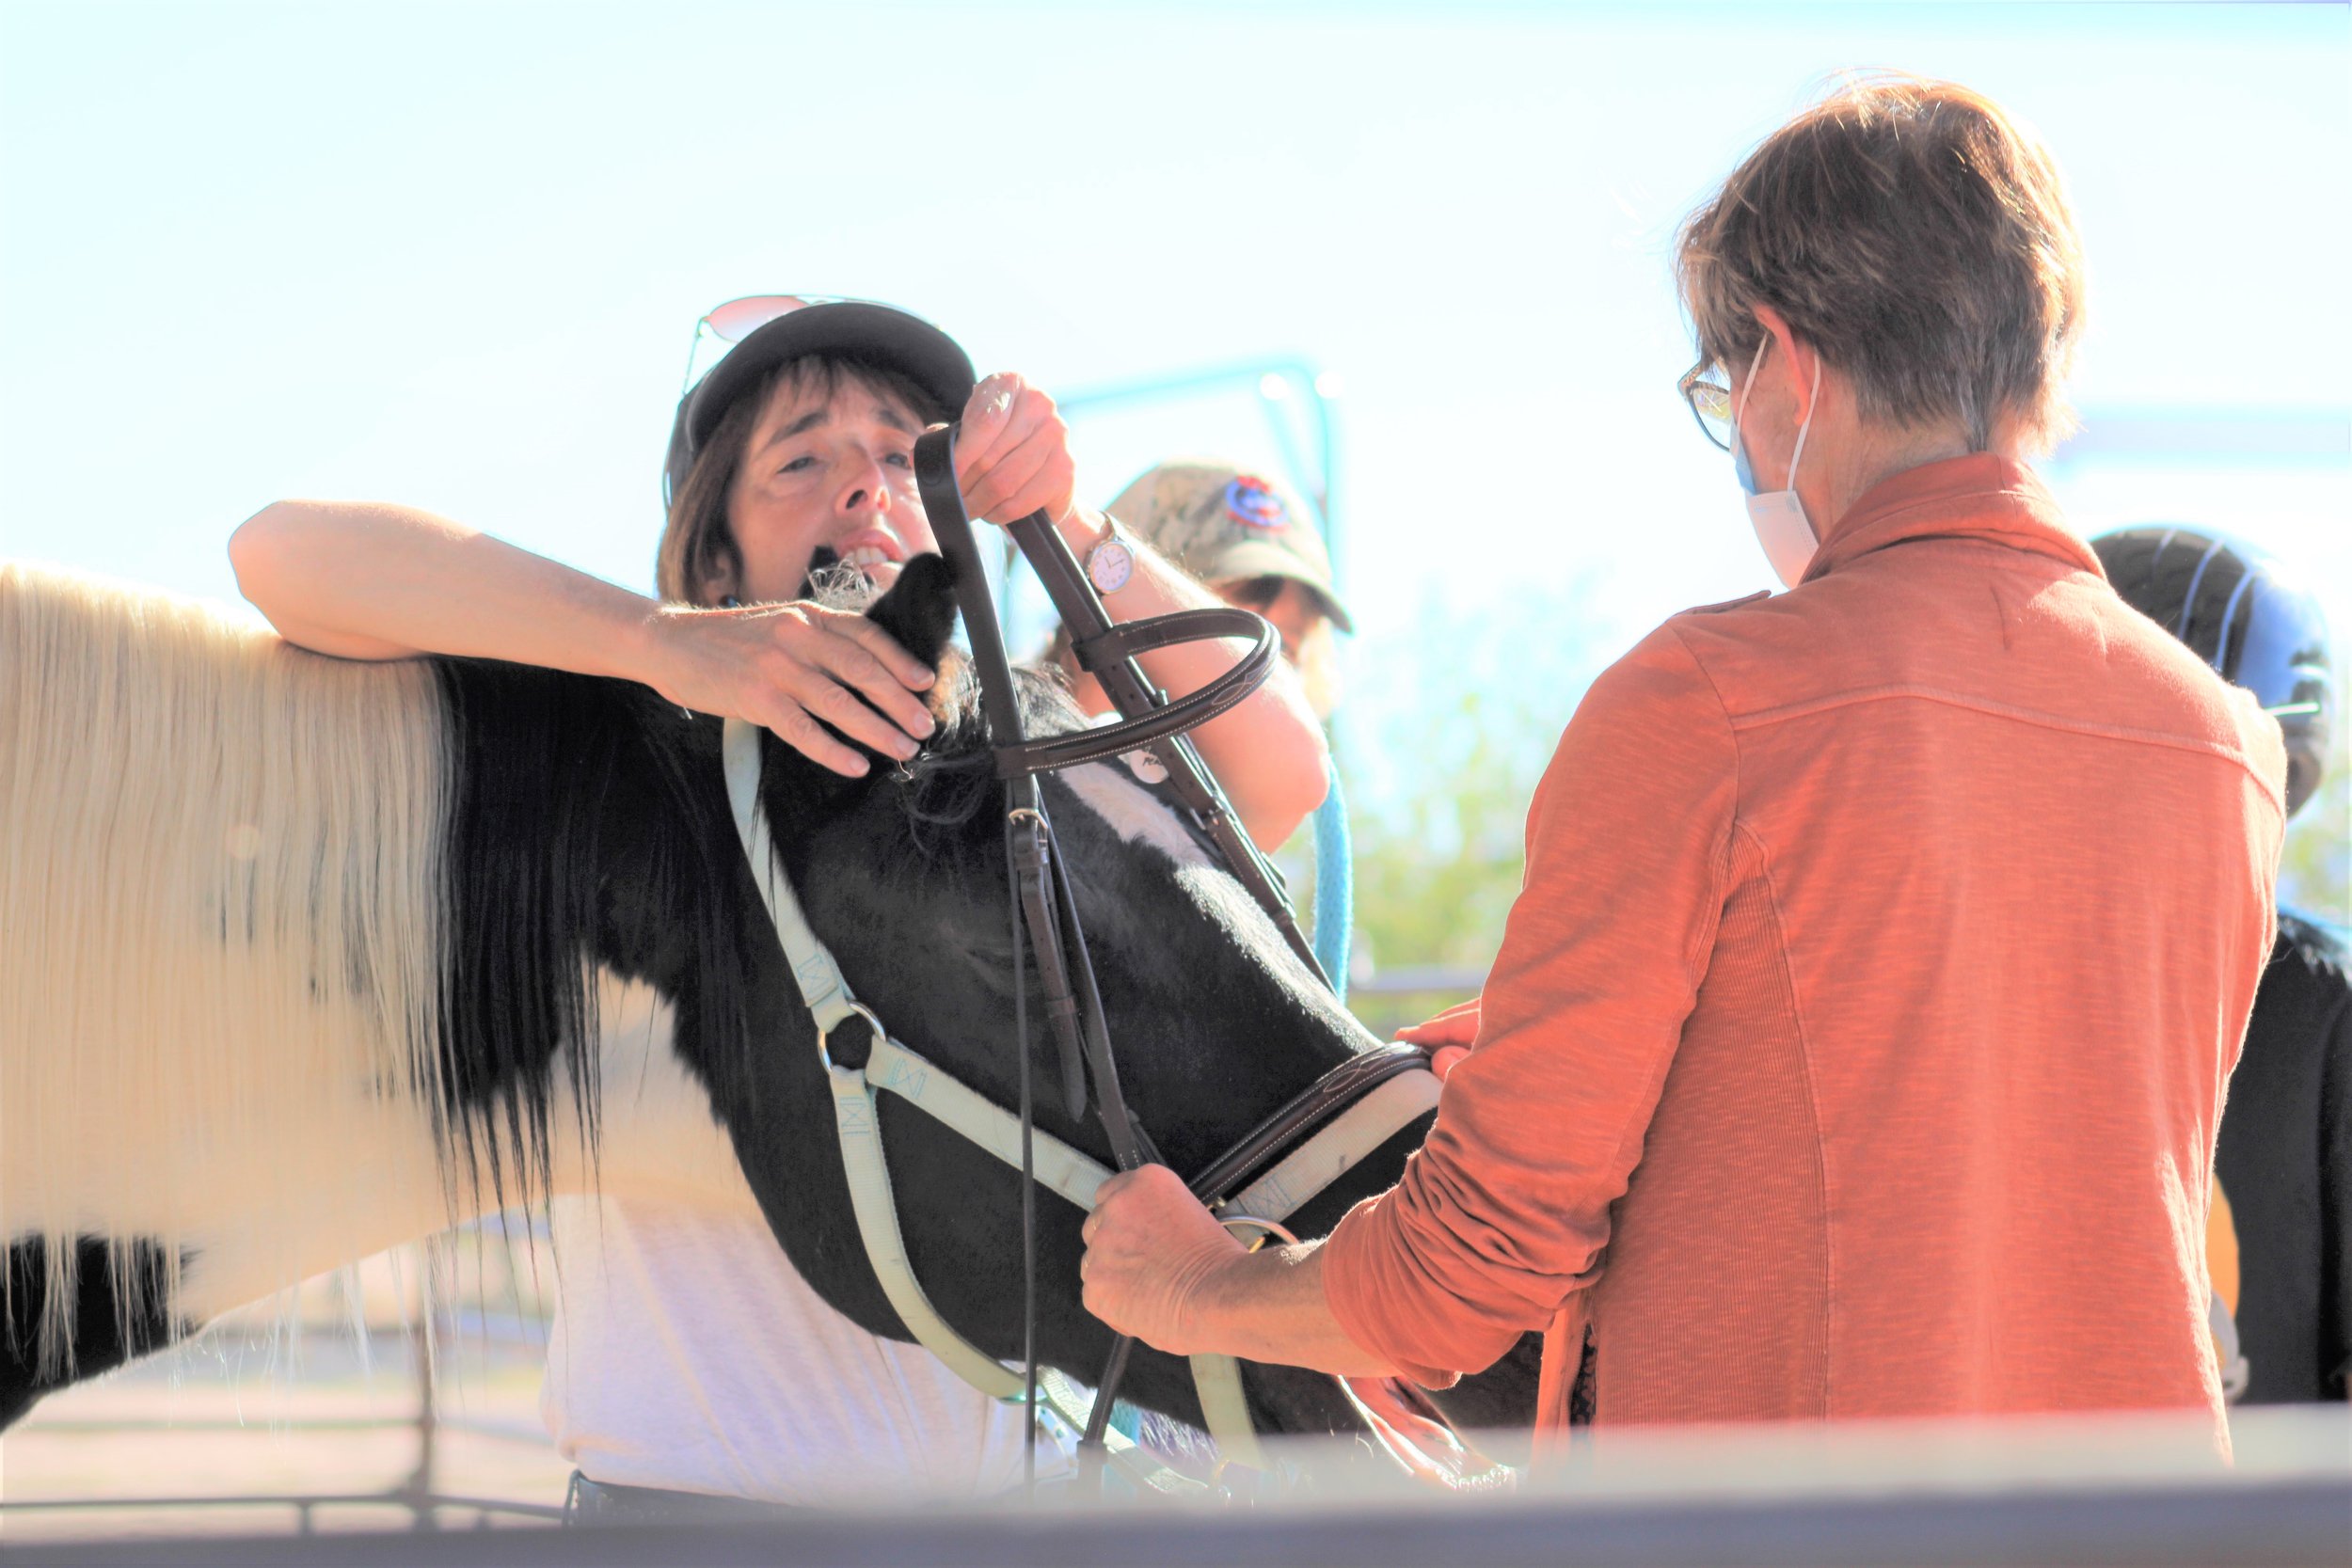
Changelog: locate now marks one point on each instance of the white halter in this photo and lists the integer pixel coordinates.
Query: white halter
(1076, 1175)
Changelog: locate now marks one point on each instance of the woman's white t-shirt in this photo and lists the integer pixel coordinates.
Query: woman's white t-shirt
(689, 1354)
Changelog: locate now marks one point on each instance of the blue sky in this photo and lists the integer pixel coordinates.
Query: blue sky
(451, 255)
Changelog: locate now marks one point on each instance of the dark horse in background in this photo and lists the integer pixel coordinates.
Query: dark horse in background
(307, 957)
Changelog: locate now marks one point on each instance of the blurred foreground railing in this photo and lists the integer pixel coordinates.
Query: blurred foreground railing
(2032, 1491)
(425, 1509)
(347, 1403)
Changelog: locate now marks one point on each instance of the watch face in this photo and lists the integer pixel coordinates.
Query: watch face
(1110, 563)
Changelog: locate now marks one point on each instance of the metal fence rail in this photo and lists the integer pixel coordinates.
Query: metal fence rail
(2028, 1490)
(475, 1334)
(2278, 1523)
(303, 1505)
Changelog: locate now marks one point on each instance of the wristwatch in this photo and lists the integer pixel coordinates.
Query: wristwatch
(1109, 563)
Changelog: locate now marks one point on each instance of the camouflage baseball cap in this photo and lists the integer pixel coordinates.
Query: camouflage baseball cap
(1225, 524)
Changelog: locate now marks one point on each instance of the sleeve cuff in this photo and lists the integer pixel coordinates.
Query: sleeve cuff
(1349, 1292)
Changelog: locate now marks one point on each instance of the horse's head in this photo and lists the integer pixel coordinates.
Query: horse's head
(1213, 1022)
(1206, 1002)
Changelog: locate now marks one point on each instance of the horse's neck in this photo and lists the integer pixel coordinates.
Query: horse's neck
(353, 1179)
(268, 916)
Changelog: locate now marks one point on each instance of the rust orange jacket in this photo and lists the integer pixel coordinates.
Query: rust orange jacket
(1857, 1040)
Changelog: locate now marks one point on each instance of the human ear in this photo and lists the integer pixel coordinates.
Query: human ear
(1791, 366)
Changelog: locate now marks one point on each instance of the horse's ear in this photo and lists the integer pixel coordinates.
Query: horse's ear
(919, 612)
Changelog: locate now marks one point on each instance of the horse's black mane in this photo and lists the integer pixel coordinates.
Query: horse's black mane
(590, 829)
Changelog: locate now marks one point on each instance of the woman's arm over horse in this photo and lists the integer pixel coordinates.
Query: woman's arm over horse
(373, 580)
(1013, 458)
(370, 580)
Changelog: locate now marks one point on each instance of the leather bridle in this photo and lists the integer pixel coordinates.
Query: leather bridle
(1148, 718)
(1274, 1167)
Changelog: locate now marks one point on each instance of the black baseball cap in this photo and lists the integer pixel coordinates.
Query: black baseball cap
(855, 329)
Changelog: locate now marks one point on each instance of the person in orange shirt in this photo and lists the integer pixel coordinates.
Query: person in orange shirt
(1856, 1044)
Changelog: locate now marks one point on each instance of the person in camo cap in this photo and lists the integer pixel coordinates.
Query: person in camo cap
(1256, 544)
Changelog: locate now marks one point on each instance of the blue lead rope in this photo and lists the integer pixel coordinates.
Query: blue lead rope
(1335, 884)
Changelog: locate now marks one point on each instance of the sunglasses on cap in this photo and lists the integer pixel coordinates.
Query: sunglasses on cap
(737, 319)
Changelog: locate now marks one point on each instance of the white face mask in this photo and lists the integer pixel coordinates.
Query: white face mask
(1778, 515)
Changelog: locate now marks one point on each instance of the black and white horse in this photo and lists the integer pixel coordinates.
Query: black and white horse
(304, 957)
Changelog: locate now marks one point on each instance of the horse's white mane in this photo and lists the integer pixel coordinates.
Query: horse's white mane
(221, 890)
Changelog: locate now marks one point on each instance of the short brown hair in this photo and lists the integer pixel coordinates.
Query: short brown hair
(698, 544)
(1919, 238)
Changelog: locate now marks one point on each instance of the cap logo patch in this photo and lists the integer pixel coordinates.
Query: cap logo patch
(1251, 502)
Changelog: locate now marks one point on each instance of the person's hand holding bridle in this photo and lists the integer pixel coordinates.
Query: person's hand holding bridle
(1012, 453)
(786, 665)
(1447, 1037)
(1153, 1252)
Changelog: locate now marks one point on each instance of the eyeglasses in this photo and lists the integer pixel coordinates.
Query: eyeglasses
(1710, 402)
(737, 319)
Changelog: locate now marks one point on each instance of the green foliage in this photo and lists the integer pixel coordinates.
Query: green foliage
(2316, 867)
(1436, 877)
(1435, 872)
(1442, 757)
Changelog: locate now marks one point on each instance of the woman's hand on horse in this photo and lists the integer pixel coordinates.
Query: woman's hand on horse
(1152, 1250)
(785, 667)
(1012, 453)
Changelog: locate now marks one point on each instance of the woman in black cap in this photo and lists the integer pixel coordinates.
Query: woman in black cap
(690, 1361)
